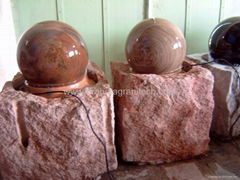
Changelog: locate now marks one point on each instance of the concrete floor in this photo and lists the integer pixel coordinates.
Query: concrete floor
(222, 162)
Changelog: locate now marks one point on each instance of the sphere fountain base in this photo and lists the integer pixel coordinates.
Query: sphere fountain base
(162, 118)
(44, 138)
(226, 96)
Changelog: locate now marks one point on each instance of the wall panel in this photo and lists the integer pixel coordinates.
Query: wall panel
(119, 18)
(202, 17)
(229, 8)
(28, 12)
(174, 11)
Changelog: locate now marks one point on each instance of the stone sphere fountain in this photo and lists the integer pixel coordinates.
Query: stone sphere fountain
(164, 105)
(54, 112)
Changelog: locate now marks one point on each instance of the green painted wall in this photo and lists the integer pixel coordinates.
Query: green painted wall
(105, 24)
(201, 17)
(119, 17)
(29, 12)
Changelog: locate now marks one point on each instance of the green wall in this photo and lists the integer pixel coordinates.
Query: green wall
(105, 24)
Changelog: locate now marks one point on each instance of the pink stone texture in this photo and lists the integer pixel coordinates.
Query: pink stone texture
(51, 138)
(162, 118)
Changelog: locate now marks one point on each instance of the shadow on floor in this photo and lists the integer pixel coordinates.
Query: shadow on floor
(221, 162)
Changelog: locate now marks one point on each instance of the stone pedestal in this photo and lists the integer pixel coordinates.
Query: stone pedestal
(226, 96)
(162, 118)
(51, 138)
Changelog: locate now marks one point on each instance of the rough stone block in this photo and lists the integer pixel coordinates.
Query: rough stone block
(51, 138)
(162, 118)
(226, 96)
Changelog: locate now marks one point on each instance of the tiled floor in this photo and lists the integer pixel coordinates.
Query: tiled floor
(222, 162)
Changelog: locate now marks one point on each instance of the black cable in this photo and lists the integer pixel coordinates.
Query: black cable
(187, 65)
(49, 92)
(198, 64)
(90, 123)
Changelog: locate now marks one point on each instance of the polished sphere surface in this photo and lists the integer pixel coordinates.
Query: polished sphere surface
(155, 46)
(52, 54)
(224, 42)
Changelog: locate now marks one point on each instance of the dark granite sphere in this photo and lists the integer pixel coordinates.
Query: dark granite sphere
(155, 46)
(52, 54)
(224, 42)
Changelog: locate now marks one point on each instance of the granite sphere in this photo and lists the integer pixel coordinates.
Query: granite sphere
(155, 46)
(224, 42)
(52, 54)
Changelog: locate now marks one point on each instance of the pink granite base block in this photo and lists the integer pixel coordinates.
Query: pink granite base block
(51, 138)
(162, 118)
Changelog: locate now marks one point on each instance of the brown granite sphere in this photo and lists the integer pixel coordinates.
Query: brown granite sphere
(52, 54)
(155, 46)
